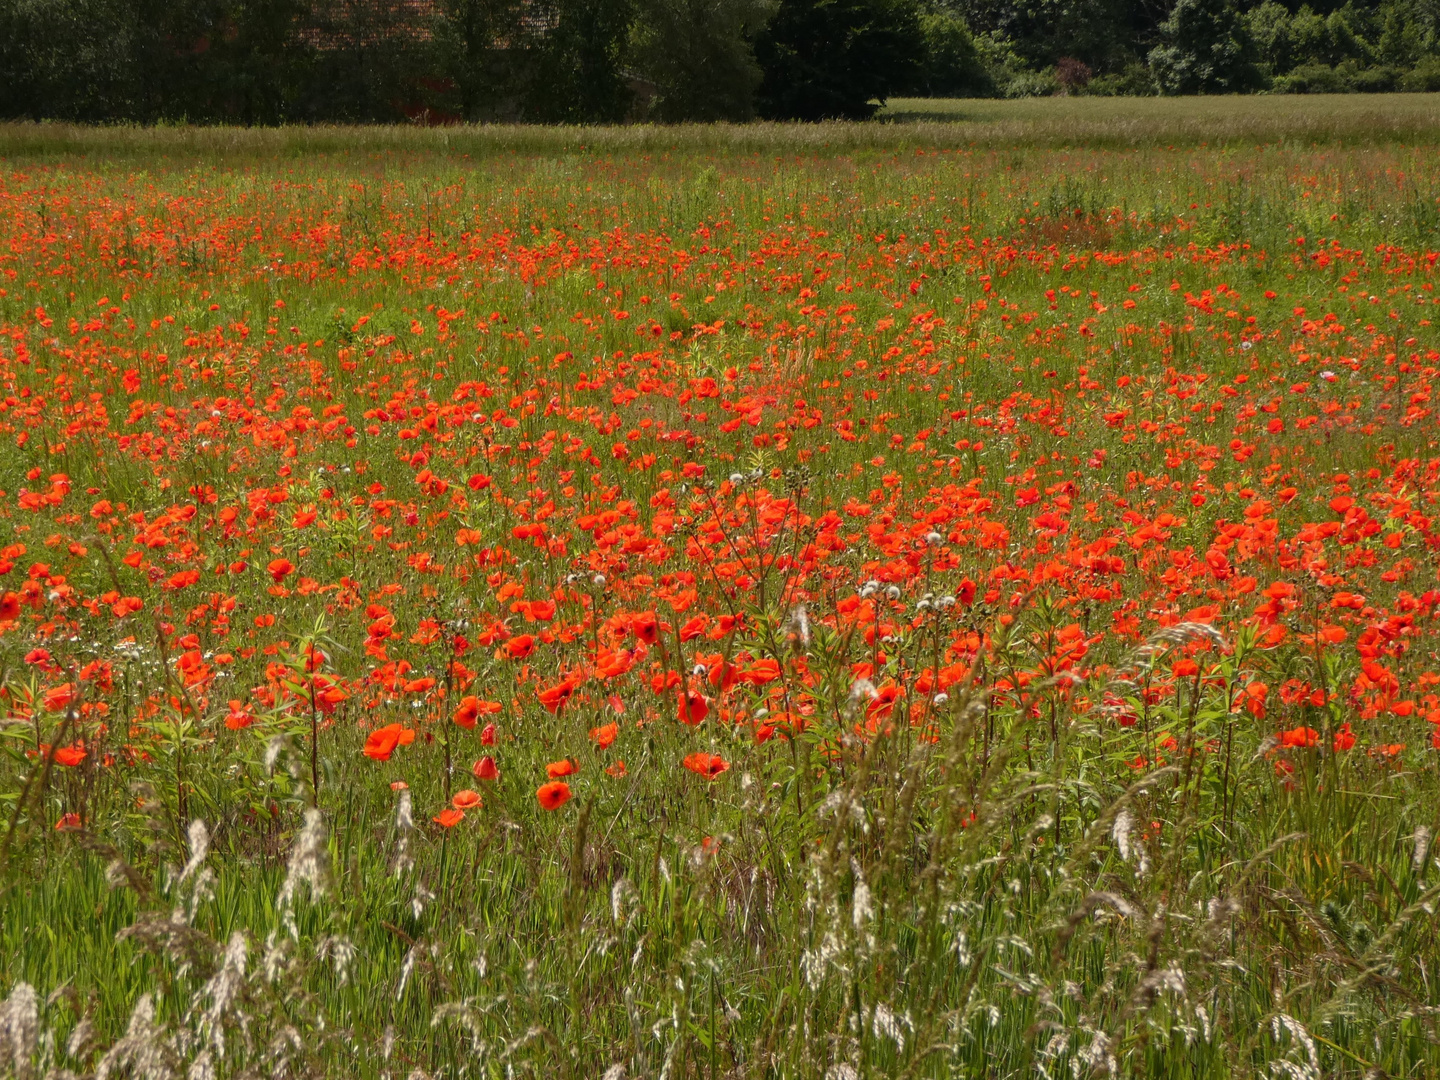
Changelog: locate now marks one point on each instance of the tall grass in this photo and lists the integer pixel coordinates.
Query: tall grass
(906, 124)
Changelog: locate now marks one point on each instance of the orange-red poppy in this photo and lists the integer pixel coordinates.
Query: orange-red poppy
(382, 742)
(471, 709)
(449, 817)
(553, 795)
(564, 767)
(485, 769)
(604, 735)
(519, 647)
(1300, 736)
(465, 800)
(707, 765)
(762, 672)
(693, 708)
(555, 697)
(280, 569)
(70, 755)
(646, 627)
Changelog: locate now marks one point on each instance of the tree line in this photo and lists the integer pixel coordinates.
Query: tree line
(598, 61)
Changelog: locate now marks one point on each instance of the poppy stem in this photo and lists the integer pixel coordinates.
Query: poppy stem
(314, 752)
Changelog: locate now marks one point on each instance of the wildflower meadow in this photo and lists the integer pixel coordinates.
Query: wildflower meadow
(705, 610)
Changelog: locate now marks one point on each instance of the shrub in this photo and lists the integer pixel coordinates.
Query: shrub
(1072, 75)
(1134, 80)
(1424, 77)
(1314, 78)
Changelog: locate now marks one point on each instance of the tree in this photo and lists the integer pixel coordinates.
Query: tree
(1207, 50)
(1270, 29)
(833, 58)
(577, 77)
(696, 56)
(67, 59)
(951, 66)
(488, 54)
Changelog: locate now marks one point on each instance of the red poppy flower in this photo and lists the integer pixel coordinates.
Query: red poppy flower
(646, 627)
(70, 756)
(280, 569)
(1300, 736)
(555, 697)
(487, 735)
(693, 708)
(449, 817)
(557, 769)
(883, 703)
(58, 698)
(238, 717)
(468, 712)
(722, 675)
(9, 607)
(553, 795)
(68, 823)
(1253, 698)
(465, 800)
(520, 646)
(707, 765)
(605, 735)
(485, 769)
(381, 742)
(762, 672)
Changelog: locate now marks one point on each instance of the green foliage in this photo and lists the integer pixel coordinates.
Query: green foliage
(1207, 50)
(1425, 78)
(1346, 77)
(1271, 27)
(952, 65)
(488, 52)
(70, 59)
(696, 56)
(837, 58)
(578, 76)
(1135, 80)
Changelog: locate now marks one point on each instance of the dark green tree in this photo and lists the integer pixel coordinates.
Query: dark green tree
(490, 55)
(951, 65)
(67, 59)
(577, 76)
(1207, 50)
(1270, 28)
(835, 58)
(696, 58)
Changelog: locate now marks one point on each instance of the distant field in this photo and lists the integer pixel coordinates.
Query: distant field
(953, 596)
(1345, 119)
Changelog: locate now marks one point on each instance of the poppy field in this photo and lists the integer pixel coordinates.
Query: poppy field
(892, 612)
